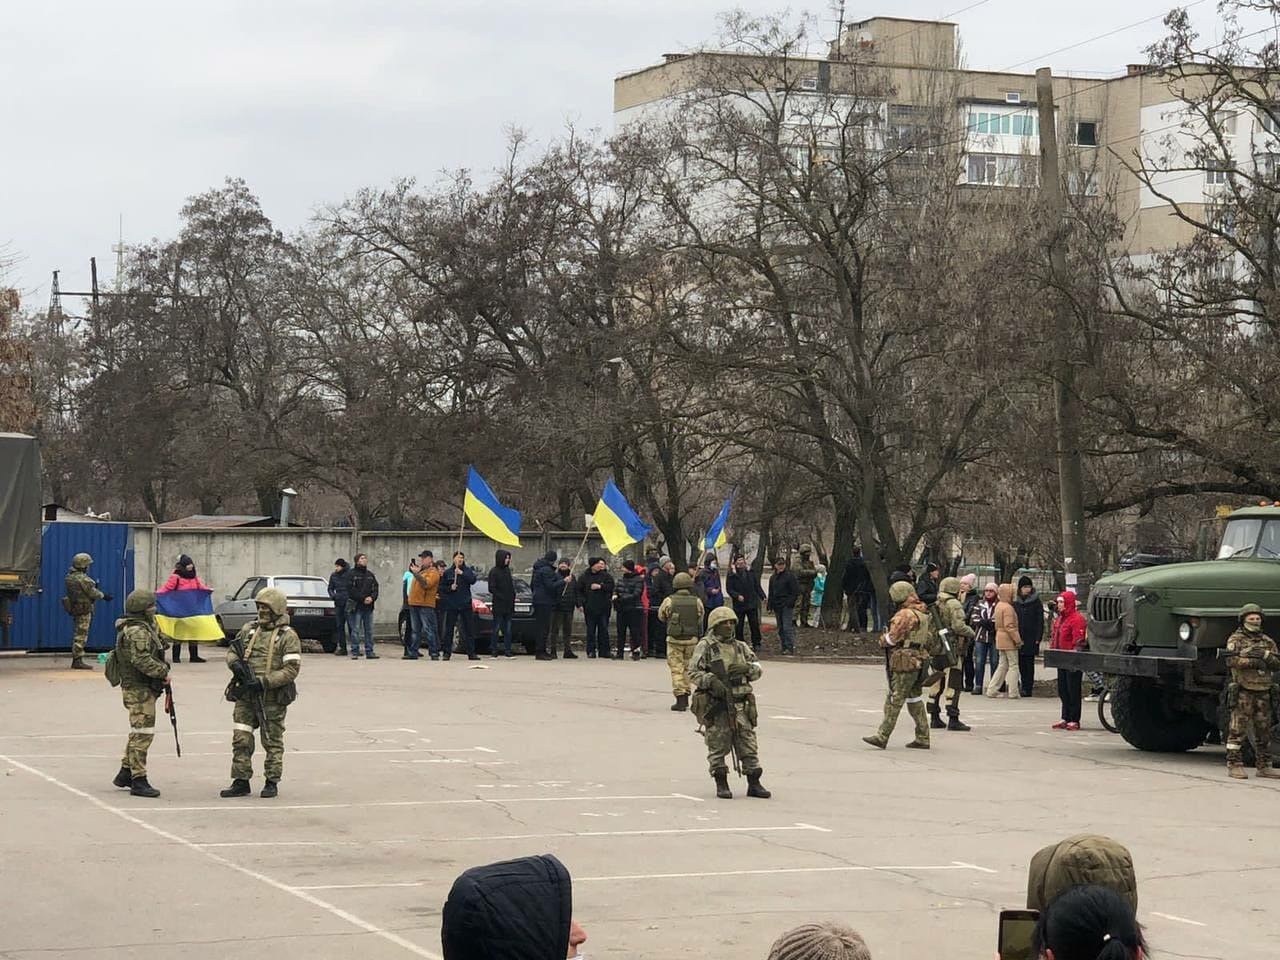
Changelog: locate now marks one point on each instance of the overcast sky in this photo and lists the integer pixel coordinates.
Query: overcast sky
(128, 107)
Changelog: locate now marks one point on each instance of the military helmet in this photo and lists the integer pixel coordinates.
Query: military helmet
(139, 601)
(951, 585)
(721, 615)
(1249, 608)
(274, 600)
(81, 561)
(682, 581)
(806, 548)
(899, 592)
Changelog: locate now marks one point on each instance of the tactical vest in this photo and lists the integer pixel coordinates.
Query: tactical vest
(1257, 679)
(910, 656)
(78, 601)
(685, 622)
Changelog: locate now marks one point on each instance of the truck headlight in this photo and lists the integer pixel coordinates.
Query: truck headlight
(1184, 631)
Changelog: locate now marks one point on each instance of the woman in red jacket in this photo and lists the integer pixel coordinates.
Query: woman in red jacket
(184, 578)
(1068, 634)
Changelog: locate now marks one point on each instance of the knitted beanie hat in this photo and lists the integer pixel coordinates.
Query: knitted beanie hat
(820, 941)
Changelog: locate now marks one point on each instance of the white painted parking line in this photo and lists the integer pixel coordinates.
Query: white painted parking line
(474, 763)
(785, 717)
(565, 835)
(389, 730)
(297, 892)
(262, 808)
(288, 752)
(781, 870)
(1170, 916)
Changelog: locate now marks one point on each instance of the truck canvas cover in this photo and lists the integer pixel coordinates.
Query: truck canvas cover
(19, 508)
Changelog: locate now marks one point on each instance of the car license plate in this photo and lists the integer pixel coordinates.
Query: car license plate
(523, 608)
(308, 612)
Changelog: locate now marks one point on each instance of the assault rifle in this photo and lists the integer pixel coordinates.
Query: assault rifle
(172, 711)
(249, 686)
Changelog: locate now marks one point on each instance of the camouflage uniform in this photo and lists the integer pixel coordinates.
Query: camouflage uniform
(716, 697)
(139, 656)
(682, 612)
(275, 653)
(912, 645)
(82, 593)
(1253, 659)
(806, 571)
(950, 679)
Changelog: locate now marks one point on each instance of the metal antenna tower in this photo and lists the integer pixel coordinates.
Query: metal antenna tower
(118, 249)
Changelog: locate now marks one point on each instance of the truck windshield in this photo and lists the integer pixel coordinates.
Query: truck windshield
(1251, 537)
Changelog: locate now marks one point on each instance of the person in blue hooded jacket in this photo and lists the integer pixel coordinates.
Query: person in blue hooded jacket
(513, 910)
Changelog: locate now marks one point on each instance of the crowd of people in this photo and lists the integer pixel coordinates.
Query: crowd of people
(1082, 897)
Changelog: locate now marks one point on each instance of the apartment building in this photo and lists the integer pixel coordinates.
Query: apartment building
(1104, 125)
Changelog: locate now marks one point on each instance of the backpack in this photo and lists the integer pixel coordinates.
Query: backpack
(1087, 859)
(111, 670)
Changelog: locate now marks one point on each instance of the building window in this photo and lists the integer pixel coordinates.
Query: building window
(1083, 184)
(1004, 124)
(1087, 133)
(1269, 118)
(1002, 170)
(1215, 174)
(982, 168)
(1227, 121)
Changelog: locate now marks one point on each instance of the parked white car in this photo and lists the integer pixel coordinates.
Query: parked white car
(310, 609)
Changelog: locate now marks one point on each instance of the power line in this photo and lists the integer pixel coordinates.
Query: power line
(1101, 36)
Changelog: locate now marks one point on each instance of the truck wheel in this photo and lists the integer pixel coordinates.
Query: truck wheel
(1143, 716)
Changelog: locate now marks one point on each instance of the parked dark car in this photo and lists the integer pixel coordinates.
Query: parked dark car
(523, 623)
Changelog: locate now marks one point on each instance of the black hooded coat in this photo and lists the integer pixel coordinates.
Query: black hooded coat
(502, 586)
(514, 910)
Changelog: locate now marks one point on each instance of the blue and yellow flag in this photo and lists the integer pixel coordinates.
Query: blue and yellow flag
(617, 522)
(187, 615)
(490, 517)
(716, 536)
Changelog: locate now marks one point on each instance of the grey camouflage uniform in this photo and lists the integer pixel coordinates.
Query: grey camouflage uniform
(275, 653)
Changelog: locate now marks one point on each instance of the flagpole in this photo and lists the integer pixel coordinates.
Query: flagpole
(590, 525)
(462, 526)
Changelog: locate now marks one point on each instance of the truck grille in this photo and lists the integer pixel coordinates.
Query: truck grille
(1105, 608)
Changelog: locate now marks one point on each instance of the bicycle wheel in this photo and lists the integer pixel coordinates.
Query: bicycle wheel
(1104, 711)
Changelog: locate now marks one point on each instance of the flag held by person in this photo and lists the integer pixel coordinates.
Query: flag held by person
(187, 615)
(487, 514)
(618, 524)
(717, 536)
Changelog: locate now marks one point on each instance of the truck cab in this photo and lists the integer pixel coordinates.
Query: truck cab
(1155, 633)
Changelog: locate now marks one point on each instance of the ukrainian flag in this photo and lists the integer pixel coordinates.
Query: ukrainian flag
(490, 517)
(618, 524)
(716, 536)
(188, 615)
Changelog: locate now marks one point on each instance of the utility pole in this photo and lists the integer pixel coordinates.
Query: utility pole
(1066, 404)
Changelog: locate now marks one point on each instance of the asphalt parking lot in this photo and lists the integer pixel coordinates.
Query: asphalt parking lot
(400, 775)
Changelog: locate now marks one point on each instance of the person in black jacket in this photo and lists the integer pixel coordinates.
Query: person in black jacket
(746, 593)
(546, 586)
(927, 585)
(514, 910)
(566, 601)
(1030, 613)
(628, 592)
(455, 589)
(856, 585)
(502, 601)
(784, 591)
(660, 587)
(340, 593)
(595, 593)
(362, 595)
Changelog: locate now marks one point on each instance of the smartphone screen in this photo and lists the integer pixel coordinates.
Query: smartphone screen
(1016, 930)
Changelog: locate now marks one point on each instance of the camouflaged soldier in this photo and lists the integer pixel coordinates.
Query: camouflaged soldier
(912, 646)
(682, 612)
(82, 593)
(139, 658)
(948, 611)
(1253, 660)
(806, 571)
(274, 656)
(721, 672)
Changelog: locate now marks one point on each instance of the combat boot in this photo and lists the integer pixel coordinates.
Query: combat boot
(140, 788)
(238, 788)
(722, 785)
(935, 719)
(78, 663)
(682, 702)
(124, 779)
(1268, 772)
(918, 745)
(954, 723)
(876, 742)
(268, 790)
(1236, 771)
(755, 788)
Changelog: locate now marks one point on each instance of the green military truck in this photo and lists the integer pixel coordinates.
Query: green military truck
(20, 523)
(1155, 633)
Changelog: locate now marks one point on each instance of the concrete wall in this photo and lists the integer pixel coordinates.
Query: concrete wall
(226, 557)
